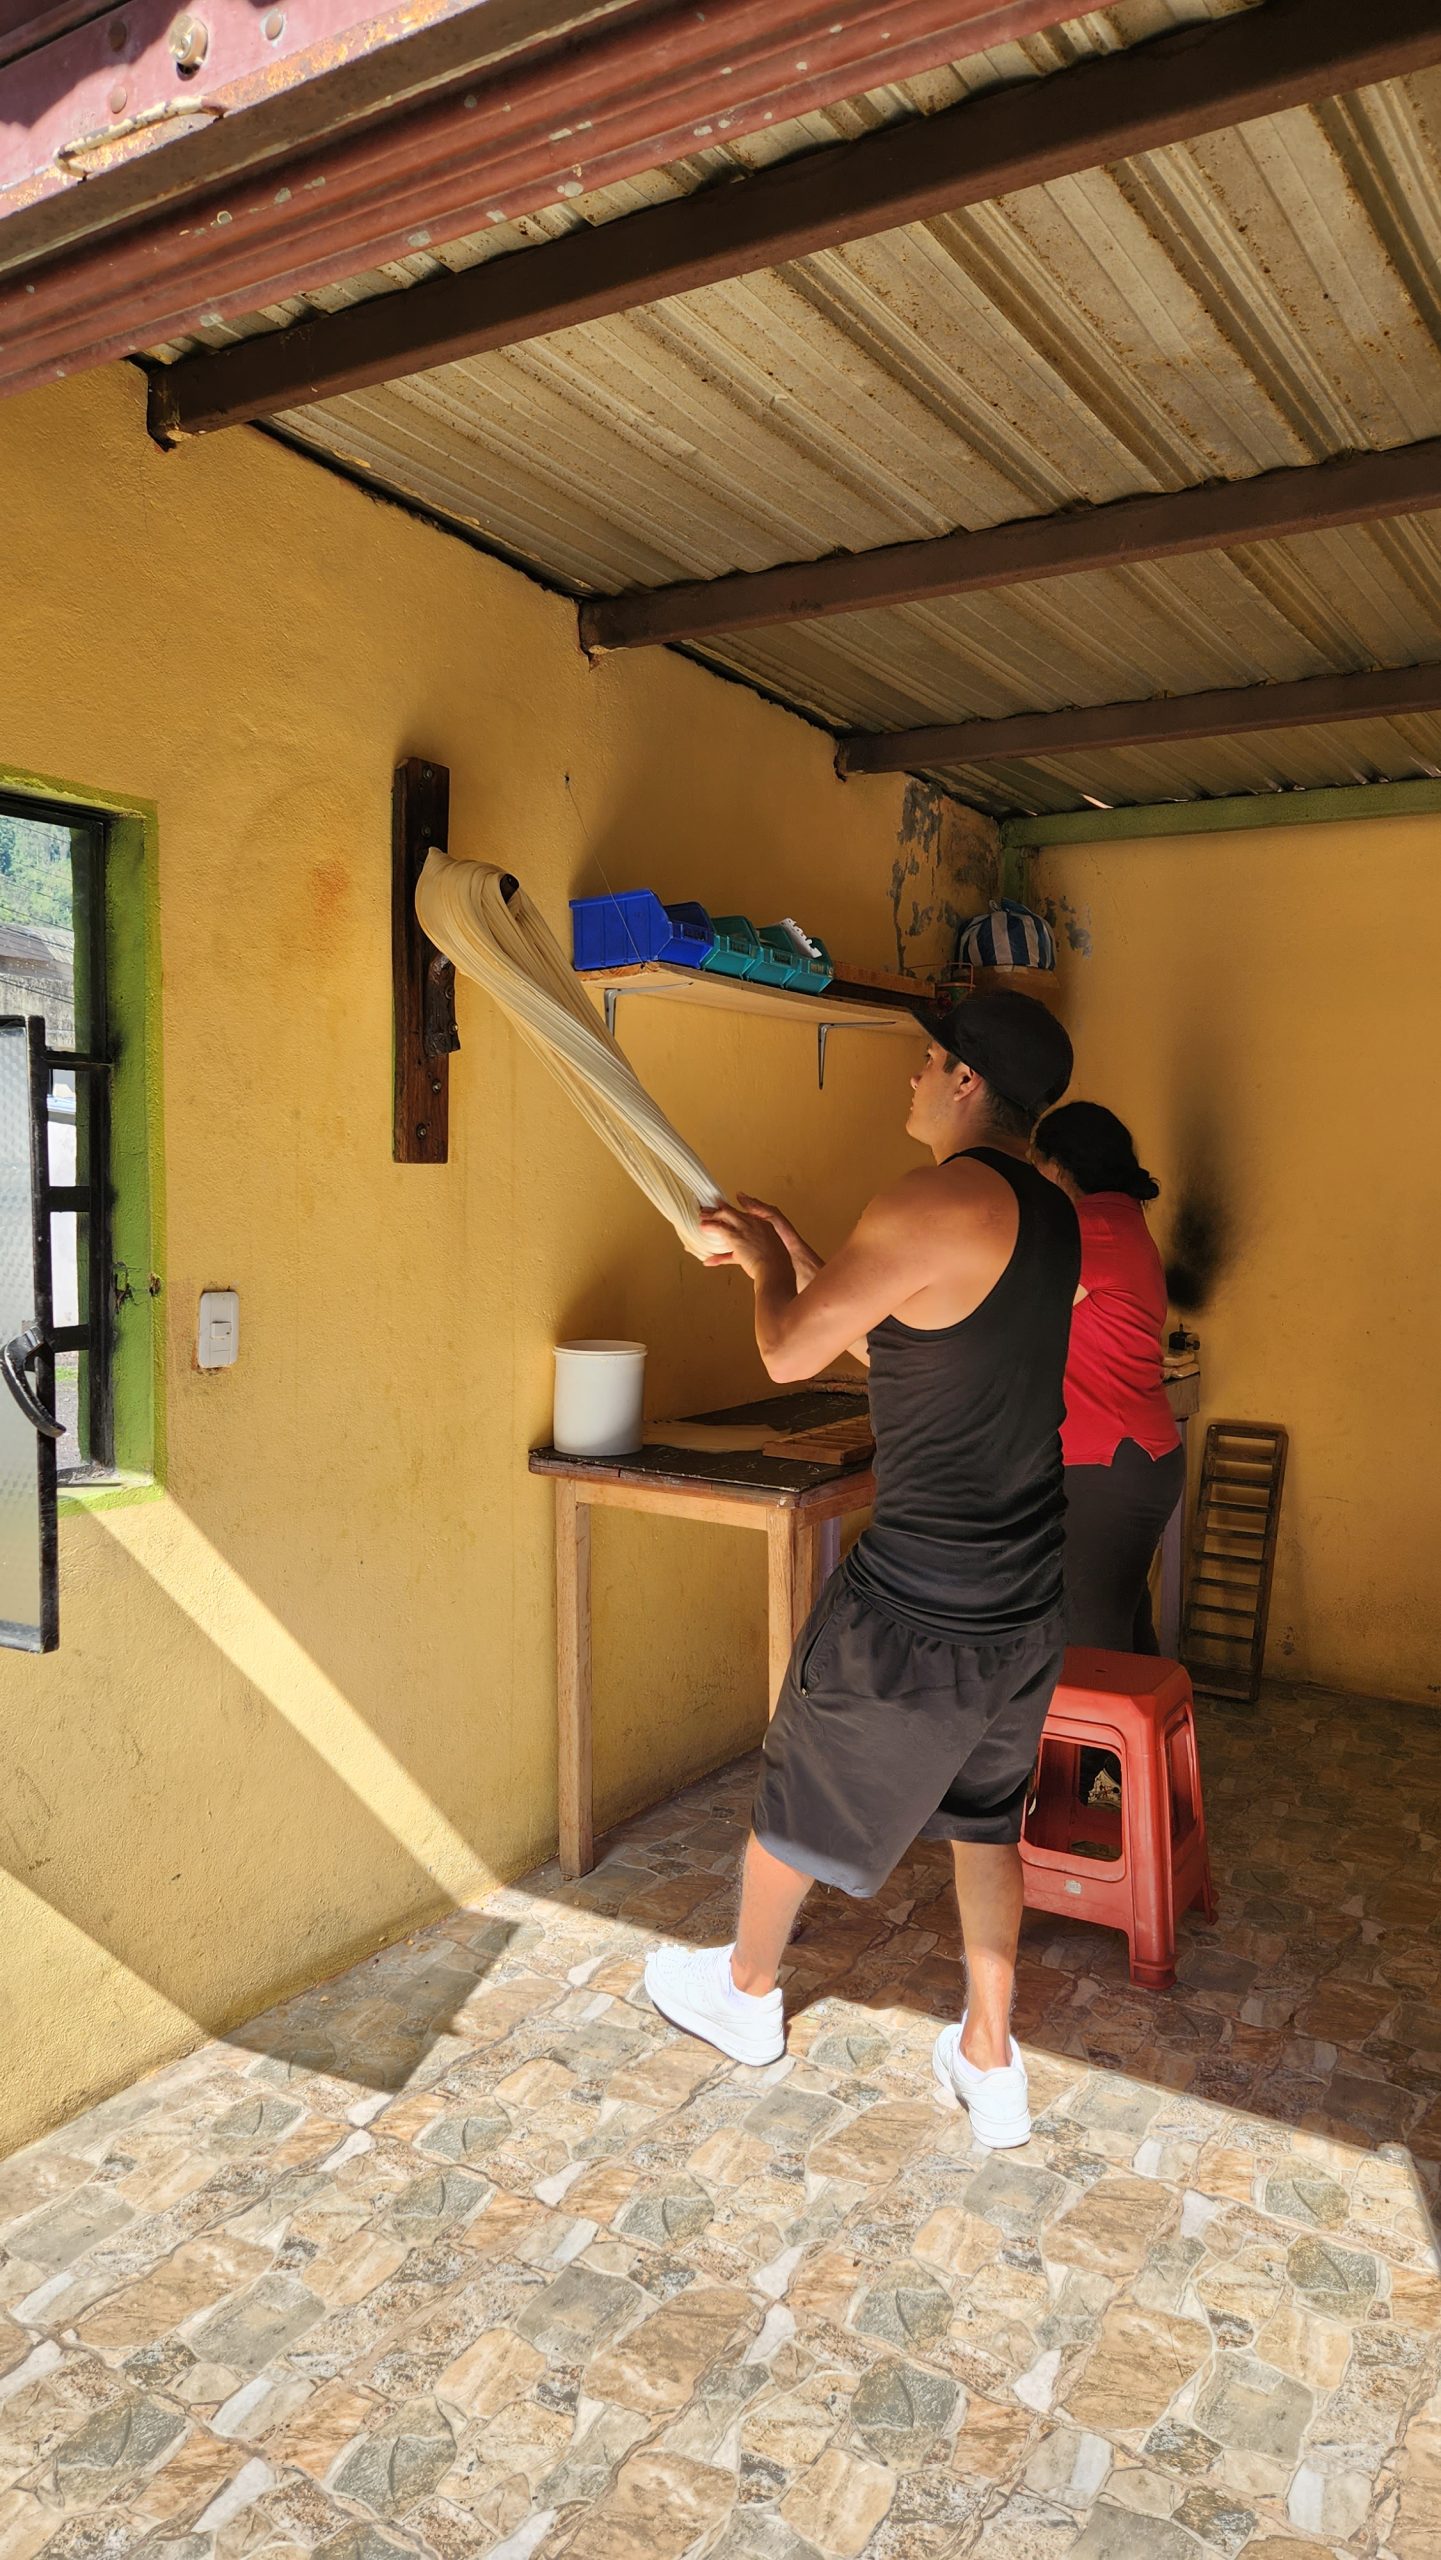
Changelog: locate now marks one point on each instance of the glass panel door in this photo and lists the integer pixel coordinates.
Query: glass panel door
(29, 1580)
(53, 963)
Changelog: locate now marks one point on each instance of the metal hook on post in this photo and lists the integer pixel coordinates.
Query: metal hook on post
(612, 999)
(823, 1033)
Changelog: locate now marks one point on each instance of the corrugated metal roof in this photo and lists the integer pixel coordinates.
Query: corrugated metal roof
(1264, 296)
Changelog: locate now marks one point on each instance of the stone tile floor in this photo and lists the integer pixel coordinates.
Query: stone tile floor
(467, 2253)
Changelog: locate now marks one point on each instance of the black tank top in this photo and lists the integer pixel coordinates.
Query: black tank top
(966, 1536)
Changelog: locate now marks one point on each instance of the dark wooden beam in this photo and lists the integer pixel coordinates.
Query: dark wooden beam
(1357, 489)
(424, 982)
(1190, 82)
(1377, 693)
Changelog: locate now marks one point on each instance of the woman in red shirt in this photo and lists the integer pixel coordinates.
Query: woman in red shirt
(1125, 1472)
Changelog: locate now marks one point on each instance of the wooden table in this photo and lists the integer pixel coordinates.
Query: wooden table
(798, 1505)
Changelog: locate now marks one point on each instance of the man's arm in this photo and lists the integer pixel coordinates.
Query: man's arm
(891, 1254)
(805, 1261)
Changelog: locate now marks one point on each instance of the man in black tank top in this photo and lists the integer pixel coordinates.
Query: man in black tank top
(919, 1686)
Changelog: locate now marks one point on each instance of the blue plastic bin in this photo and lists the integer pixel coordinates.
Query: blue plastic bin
(617, 932)
(691, 938)
(736, 948)
(630, 927)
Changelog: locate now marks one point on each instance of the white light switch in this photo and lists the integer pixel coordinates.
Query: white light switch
(219, 1341)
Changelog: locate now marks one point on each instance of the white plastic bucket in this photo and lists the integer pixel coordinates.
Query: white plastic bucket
(599, 1396)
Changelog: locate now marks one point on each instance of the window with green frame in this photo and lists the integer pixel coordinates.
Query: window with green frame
(73, 950)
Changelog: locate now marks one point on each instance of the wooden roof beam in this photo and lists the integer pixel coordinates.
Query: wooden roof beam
(1310, 498)
(1376, 693)
(1192, 81)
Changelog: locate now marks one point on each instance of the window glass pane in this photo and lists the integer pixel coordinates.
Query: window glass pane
(37, 924)
(22, 1470)
(65, 1297)
(65, 1266)
(69, 1366)
(62, 1129)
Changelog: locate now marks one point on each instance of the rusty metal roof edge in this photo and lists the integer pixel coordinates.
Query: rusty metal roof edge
(373, 61)
(645, 88)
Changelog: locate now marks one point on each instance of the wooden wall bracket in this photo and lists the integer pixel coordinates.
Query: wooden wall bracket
(424, 980)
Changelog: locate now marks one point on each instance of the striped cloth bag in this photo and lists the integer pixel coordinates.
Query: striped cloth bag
(1009, 937)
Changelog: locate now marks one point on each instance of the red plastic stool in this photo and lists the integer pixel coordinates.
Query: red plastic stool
(1138, 1706)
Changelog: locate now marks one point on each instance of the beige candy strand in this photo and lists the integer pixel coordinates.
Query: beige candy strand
(505, 946)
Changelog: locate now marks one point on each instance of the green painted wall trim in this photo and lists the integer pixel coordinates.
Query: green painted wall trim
(1015, 869)
(110, 1497)
(1215, 817)
(132, 933)
(137, 1163)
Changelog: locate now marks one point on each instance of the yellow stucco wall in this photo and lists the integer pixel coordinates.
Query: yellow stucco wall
(309, 1695)
(1231, 998)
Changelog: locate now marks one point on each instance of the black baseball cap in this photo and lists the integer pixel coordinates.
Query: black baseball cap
(1014, 1042)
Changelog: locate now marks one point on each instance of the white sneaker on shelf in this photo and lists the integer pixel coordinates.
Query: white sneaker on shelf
(999, 2100)
(692, 1986)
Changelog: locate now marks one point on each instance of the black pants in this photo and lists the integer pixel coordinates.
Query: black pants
(1115, 1519)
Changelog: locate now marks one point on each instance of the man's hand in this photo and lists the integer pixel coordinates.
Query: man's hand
(805, 1261)
(742, 1239)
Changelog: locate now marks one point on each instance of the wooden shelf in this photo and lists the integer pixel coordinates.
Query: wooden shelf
(828, 1011)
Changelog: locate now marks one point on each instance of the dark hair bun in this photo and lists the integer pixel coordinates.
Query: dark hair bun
(1095, 1149)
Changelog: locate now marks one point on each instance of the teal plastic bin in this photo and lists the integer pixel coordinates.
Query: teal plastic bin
(777, 959)
(736, 949)
(783, 964)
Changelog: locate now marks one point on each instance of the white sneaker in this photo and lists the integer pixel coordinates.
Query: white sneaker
(998, 2100)
(692, 1986)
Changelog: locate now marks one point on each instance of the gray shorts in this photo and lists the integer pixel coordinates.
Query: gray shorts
(884, 1735)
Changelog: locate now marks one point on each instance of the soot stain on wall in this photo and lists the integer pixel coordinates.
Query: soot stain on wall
(1200, 1250)
(947, 867)
(1203, 1224)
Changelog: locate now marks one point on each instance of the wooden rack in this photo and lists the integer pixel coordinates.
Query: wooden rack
(1233, 1555)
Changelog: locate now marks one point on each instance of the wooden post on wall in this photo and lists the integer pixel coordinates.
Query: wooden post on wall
(424, 981)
